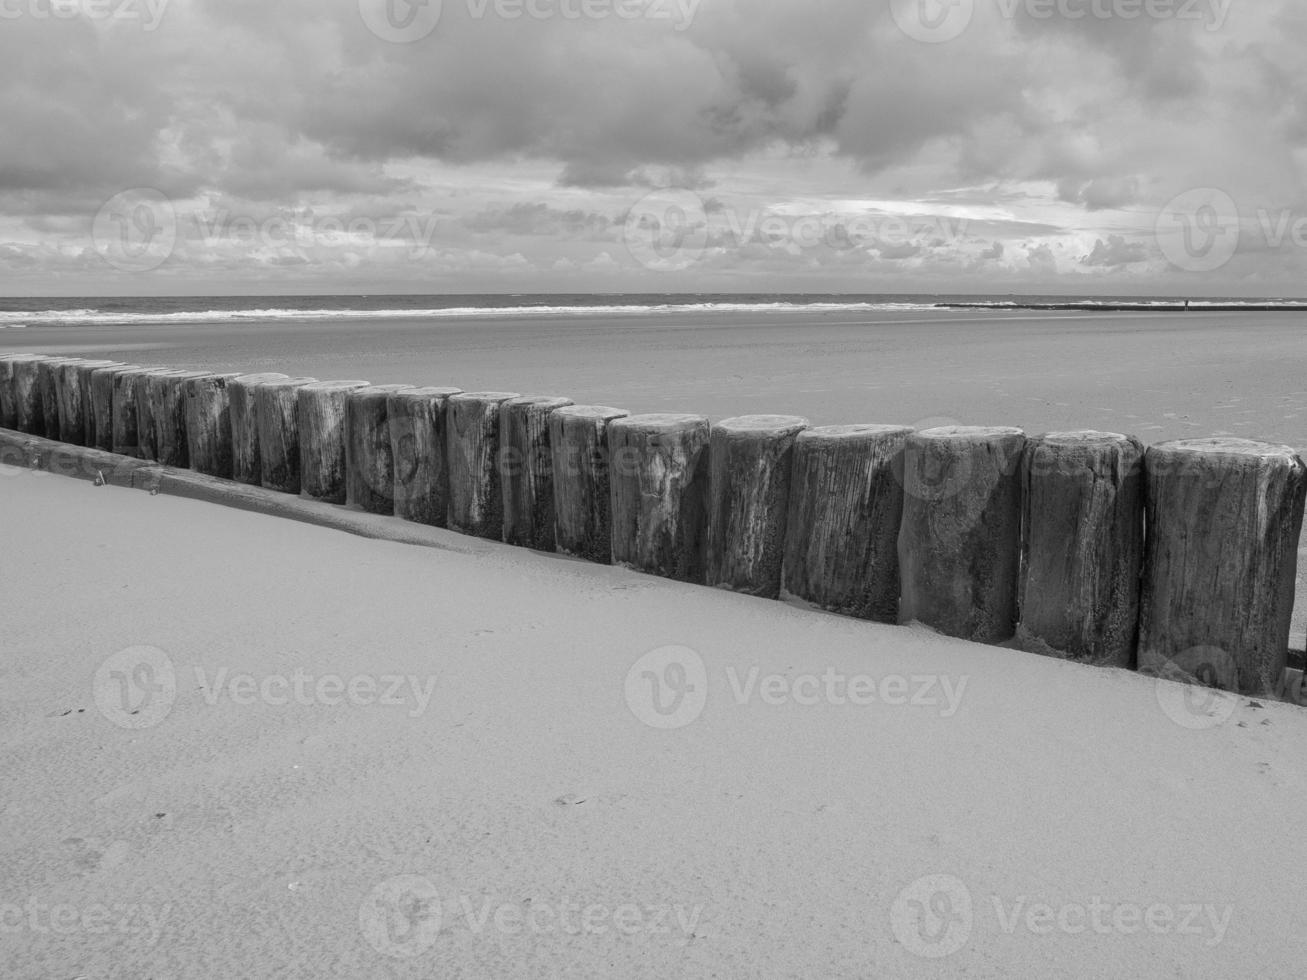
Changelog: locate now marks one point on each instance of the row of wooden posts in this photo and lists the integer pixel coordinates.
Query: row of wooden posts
(981, 533)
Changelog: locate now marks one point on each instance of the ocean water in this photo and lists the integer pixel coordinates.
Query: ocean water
(88, 310)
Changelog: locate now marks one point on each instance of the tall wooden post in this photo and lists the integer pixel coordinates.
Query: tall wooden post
(1224, 518)
(275, 409)
(527, 471)
(82, 400)
(476, 503)
(167, 395)
(245, 459)
(417, 443)
(8, 412)
(47, 375)
(749, 498)
(370, 462)
(1082, 546)
(208, 423)
(846, 504)
(960, 540)
(101, 413)
(578, 436)
(26, 393)
(321, 408)
(658, 468)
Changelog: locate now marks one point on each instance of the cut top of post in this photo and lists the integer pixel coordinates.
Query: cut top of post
(419, 394)
(969, 433)
(762, 425)
(253, 379)
(372, 393)
(1227, 446)
(1082, 437)
(541, 401)
(335, 386)
(593, 412)
(485, 396)
(840, 433)
(660, 422)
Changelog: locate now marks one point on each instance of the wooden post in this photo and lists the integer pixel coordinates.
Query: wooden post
(1224, 517)
(7, 410)
(527, 471)
(960, 540)
(321, 410)
(370, 463)
(149, 398)
(130, 426)
(85, 407)
(748, 501)
(25, 393)
(101, 412)
(208, 423)
(276, 411)
(578, 436)
(842, 533)
(1082, 546)
(476, 503)
(167, 394)
(417, 443)
(658, 468)
(245, 465)
(47, 373)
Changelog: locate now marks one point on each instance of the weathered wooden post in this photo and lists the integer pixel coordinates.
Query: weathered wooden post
(527, 471)
(208, 423)
(476, 503)
(960, 540)
(277, 415)
(658, 470)
(1082, 546)
(321, 409)
(47, 373)
(101, 413)
(82, 397)
(29, 416)
(245, 464)
(417, 443)
(167, 394)
(748, 501)
(149, 404)
(842, 533)
(578, 436)
(1224, 517)
(7, 409)
(370, 463)
(128, 393)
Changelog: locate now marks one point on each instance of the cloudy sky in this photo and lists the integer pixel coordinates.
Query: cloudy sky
(298, 146)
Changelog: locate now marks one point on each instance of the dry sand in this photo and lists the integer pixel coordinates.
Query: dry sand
(238, 836)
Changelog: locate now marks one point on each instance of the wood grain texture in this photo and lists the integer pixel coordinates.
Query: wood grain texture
(578, 437)
(658, 471)
(245, 461)
(277, 416)
(476, 501)
(846, 504)
(418, 446)
(960, 538)
(1082, 546)
(167, 396)
(208, 423)
(749, 497)
(28, 417)
(527, 471)
(85, 374)
(129, 397)
(102, 382)
(321, 408)
(7, 391)
(370, 459)
(1224, 518)
(47, 373)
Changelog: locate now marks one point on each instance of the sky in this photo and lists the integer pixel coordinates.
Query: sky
(462, 146)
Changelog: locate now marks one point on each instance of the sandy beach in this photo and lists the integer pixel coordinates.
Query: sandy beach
(1156, 375)
(511, 809)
